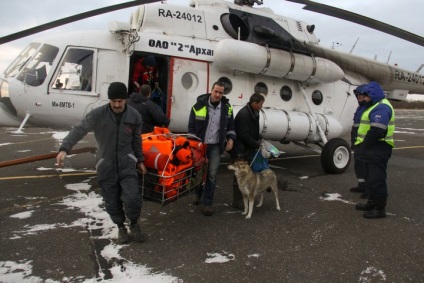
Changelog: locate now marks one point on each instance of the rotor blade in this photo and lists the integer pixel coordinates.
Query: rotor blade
(361, 20)
(71, 19)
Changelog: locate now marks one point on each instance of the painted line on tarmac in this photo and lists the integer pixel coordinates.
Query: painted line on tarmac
(295, 157)
(410, 147)
(29, 141)
(47, 176)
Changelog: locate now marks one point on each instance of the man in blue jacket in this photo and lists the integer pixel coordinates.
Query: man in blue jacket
(212, 121)
(359, 165)
(117, 129)
(374, 143)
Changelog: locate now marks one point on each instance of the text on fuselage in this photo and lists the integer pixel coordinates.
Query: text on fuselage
(63, 104)
(180, 15)
(163, 44)
(409, 77)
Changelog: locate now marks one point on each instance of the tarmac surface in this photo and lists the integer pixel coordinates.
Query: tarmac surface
(318, 236)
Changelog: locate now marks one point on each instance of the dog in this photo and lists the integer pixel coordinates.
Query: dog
(252, 184)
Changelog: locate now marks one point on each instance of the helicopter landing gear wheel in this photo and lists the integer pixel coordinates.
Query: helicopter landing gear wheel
(335, 156)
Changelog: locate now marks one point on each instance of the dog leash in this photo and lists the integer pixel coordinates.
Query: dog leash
(253, 160)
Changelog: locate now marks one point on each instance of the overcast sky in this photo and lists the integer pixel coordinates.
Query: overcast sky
(406, 14)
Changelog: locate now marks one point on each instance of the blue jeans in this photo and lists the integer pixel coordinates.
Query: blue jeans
(213, 153)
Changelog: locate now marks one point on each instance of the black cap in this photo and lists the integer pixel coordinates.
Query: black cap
(117, 90)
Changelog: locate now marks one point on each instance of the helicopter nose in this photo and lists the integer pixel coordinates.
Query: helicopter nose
(4, 88)
(8, 116)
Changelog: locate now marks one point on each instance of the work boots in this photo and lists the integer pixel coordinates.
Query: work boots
(195, 199)
(360, 188)
(370, 205)
(138, 236)
(123, 237)
(237, 196)
(379, 210)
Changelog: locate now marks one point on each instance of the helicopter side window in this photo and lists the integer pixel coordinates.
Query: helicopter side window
(286, 93)
(37, 69)
(261, 88)
(76, 71)
(228, 84)
(317, 97)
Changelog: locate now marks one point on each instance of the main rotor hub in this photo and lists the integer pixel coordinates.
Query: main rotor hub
(249, 3)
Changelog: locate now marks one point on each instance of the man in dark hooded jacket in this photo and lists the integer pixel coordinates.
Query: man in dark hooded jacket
(151, 113)
(117, 130)
(248, 138)
(361, 187)
(212, 121)
(374, 143)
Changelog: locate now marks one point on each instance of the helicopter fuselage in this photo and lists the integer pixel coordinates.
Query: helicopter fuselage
(309, 89)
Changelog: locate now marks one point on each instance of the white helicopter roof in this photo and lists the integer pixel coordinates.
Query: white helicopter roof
(92, 38)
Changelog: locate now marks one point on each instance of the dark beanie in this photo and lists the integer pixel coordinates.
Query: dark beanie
(117, 90)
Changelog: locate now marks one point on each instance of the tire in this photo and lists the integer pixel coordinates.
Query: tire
(335, 156)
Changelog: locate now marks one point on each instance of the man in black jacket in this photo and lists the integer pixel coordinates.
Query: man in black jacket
(151, 113)
(119, 155)
(248, 138)
(212, 121)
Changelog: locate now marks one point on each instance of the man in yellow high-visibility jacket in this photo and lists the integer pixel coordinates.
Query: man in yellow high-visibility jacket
(374, 143)
(212, 121)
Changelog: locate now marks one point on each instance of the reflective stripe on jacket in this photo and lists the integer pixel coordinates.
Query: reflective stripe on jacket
(365, 125)
(199, 116)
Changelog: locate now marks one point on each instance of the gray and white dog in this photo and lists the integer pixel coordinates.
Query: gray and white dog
(252, 184)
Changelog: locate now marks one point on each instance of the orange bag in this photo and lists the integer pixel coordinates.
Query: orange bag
(155, 160)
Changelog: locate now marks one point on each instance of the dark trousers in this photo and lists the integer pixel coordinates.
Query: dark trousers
(237, 196)
(116, 195)
(375, 161)
(359, 167)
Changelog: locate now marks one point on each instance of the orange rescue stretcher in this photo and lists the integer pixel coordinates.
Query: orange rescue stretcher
(176, 165)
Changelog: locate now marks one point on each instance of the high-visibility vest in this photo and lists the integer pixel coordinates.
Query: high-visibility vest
(365, 125)
(202, 112)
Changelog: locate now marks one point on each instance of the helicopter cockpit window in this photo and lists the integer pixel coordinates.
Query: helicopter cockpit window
(228, 84)
(36, 69)
(286, 93)
(76, 71)
(22, 59)
(235, 26)
(261, 88)
(317, 97)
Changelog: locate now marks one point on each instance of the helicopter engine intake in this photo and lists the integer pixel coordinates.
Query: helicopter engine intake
(256, 59)
(281, 125)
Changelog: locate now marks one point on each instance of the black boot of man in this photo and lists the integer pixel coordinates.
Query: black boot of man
(370, 205)
(237, 196)
(360, 188)
(379, 211)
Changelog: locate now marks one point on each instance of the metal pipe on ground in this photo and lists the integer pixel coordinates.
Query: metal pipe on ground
(44, 157)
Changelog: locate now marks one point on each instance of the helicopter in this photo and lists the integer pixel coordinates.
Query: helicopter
(58, 78)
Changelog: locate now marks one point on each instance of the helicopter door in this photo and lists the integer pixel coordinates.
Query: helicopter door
(189, 80)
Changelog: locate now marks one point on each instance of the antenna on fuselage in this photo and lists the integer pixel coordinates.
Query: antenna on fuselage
(388, 59)
(354, 45)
